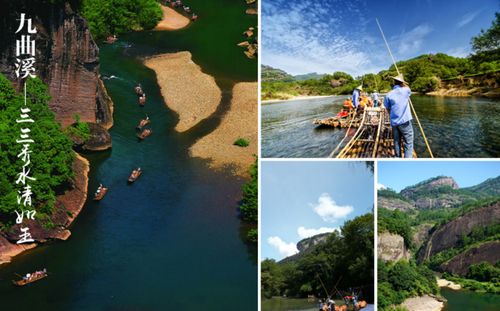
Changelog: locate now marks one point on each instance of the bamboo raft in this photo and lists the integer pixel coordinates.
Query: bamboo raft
(33, 278)
(351, 120)
(373, 139)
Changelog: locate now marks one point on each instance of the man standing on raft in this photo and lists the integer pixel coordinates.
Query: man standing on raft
(397, 102)
(356, 94)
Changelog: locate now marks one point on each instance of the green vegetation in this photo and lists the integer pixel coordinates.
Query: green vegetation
(423, 73)
(249, 207)
(349, 255)
(51, 157)
(107, 17)
(482, 277)
(79, 130)
(401, 280)
(395, 222)
(242, 142)
(391, 194)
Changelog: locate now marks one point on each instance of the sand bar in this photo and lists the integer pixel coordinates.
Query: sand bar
(423, 303)
(172, 20)
(239, 122)
(449, 284)
(188, 91)
(270, 101)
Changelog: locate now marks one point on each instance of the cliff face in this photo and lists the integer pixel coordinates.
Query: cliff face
(460, 264)
(485, 85)
(449, 235)
(67, 59)
(307, 245)
(431, 184)
(391, 247)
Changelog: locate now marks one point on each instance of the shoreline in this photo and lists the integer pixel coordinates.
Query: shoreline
(423, 303)
(240, 121)
(295, 98)
(449, 284)
(67, 207)
(172, 20)
(186, 89)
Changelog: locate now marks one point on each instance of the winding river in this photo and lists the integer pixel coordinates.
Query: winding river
(173, 239)
(456, 127)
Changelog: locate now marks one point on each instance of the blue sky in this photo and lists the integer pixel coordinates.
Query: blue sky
(301, 199)
(400, 174)
(341, 35)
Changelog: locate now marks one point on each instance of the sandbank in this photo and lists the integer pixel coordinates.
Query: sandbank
(239, 122)
(192, 94)
(172, 20)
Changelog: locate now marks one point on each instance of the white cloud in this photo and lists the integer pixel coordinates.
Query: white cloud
(467, 18)
(306, 233)
(301, 37)
(459, 51)
(328, 210)
(285, 249)
(380, 186)
(411, 41)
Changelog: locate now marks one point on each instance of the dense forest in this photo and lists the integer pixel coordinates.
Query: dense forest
(51, 157)
(109, 17)
(346, 258)
(423, 73)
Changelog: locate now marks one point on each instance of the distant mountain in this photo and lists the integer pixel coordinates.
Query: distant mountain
(269, 74)
(306, 246)
(438, 192)
(308, 76)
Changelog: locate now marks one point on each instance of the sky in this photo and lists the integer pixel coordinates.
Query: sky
(325, 36)
(401, 174)
(302, 199)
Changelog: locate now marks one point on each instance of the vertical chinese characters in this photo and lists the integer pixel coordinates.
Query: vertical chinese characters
(25, 67)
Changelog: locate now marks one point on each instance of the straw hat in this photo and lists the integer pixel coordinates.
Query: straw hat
(399, 78)
(360, 88)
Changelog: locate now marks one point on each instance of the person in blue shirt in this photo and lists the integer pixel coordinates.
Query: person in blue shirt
(397, 102)
(375, 98)
(356, 94)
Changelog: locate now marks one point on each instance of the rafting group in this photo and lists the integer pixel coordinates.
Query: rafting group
(31, 277)
(178, 4)
(350, 303)
(143, 133)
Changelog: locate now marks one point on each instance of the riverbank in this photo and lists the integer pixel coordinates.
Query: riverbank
(294, 98)
(423, 303)
(192, 94)
(67, 208)
(239, 122)
(172, 20)
(449, 284)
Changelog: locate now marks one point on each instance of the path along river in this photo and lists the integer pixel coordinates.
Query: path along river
(172, 240)
(456, 127)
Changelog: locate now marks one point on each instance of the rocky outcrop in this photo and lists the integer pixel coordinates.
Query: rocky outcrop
(394, 204)
(67, 59)
(424, 303)
(67, 207)
(488, 252)
(483, 85)
(433, 183)
(449, 235)
(306, 245)
(100, 139)
(391, 247)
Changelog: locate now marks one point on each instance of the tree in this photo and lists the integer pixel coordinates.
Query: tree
(490, 39)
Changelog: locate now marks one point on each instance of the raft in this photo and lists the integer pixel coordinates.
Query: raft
(342, 120)
(133, 177)
(101, 194)
(373, 139)
(143, 123)
(145, 133)
(23, 282)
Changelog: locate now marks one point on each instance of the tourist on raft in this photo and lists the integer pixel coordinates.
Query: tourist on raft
(397, 102)
(356, 95)
(375, 98)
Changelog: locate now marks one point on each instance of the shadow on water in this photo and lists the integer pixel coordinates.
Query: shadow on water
(173, 239)
(464, 127)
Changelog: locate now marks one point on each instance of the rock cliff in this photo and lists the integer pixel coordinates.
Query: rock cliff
(485, 252)
(391, 247)
(450, 234)
(67, 59)
(307, 245)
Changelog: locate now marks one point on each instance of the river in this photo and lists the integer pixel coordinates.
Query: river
(173, 239)
(289, 304)
(465, 300)
(456, 127)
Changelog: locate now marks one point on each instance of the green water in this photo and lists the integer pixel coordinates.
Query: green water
(465, 300)
(173, 239)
